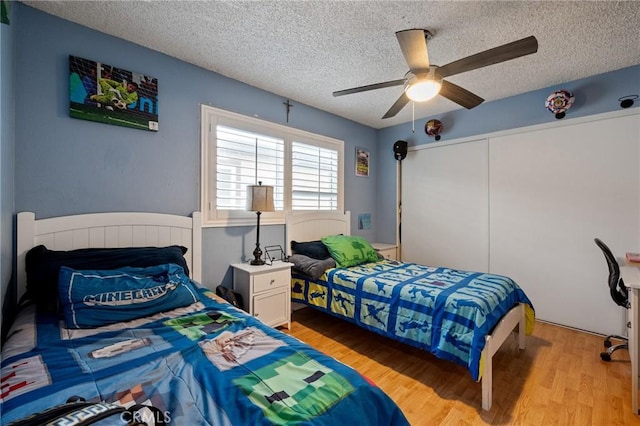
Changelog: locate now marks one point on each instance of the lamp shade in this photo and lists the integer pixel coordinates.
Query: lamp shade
(260, 198)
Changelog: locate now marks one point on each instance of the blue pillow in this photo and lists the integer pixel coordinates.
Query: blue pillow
(43, 266)
(94, 298)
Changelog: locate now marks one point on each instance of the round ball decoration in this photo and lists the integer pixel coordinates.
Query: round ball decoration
(433, 128)
(559, 102)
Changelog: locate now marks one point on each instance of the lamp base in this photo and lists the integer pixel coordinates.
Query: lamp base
(257, 255)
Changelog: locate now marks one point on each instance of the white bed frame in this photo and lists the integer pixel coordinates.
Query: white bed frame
(98, 230)
(303, 226)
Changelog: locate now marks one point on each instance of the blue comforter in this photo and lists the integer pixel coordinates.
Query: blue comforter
(444, 311)
(205, 364)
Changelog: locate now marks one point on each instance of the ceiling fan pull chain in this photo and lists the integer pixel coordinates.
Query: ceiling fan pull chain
(413, 117)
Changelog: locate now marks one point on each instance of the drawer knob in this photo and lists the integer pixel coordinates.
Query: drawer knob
(272, 281)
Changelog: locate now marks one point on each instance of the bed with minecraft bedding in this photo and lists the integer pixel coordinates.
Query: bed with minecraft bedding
(206, 364)
(461, 316)
(149, 334)
(444, 311)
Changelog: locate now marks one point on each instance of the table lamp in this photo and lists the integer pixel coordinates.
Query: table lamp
(259, 199)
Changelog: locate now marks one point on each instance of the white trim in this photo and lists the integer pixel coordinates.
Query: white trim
(518, 130)
(211, 116)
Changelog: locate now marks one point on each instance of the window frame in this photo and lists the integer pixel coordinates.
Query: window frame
(210, 118)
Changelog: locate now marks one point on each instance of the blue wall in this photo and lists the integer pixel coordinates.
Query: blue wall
(66, 166)
(7, 146)
(593, 95)
(70, 166)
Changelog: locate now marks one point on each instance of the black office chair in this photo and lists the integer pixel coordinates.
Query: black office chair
(619, 294)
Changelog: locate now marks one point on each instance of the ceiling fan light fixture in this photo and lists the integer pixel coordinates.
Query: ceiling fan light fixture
(423, 88)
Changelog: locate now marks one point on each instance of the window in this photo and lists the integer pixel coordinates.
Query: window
(245, 158)
(306, 170)
(314, 177)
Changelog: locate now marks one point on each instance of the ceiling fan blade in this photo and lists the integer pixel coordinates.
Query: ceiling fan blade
(413, 44)
(506, 52)
(397, 106)
(369, 87)
(461, 96)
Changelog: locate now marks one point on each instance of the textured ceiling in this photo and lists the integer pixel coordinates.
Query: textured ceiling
(305, 50)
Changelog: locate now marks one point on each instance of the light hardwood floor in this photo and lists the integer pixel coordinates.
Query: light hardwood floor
(558, 379)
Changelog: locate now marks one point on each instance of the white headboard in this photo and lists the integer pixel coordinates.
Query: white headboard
(310, 226)
(97, 230)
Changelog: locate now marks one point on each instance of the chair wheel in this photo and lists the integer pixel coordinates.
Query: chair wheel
(605, 356)
(607, 343)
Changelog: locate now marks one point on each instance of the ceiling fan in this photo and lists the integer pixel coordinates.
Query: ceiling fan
(424, 80)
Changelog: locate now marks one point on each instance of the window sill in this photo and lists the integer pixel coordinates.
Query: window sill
(226, 223)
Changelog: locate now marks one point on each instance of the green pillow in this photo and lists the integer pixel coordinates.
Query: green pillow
(350, 250)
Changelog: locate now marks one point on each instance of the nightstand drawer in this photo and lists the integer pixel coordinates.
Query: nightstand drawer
(271, 280)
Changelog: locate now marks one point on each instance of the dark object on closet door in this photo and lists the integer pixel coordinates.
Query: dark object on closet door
(400, 150)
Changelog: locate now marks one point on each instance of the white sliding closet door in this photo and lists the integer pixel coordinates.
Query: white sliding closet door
(551, 192)
(445, 206)
(528, 205)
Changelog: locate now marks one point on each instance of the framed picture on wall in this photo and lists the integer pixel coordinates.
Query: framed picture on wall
(364, 221)
(362, 162)
(111, 95)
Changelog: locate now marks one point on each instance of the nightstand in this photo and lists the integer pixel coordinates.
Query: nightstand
(388, 251)
(265, 290)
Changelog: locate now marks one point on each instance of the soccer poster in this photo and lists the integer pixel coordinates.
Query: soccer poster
(111, 95)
